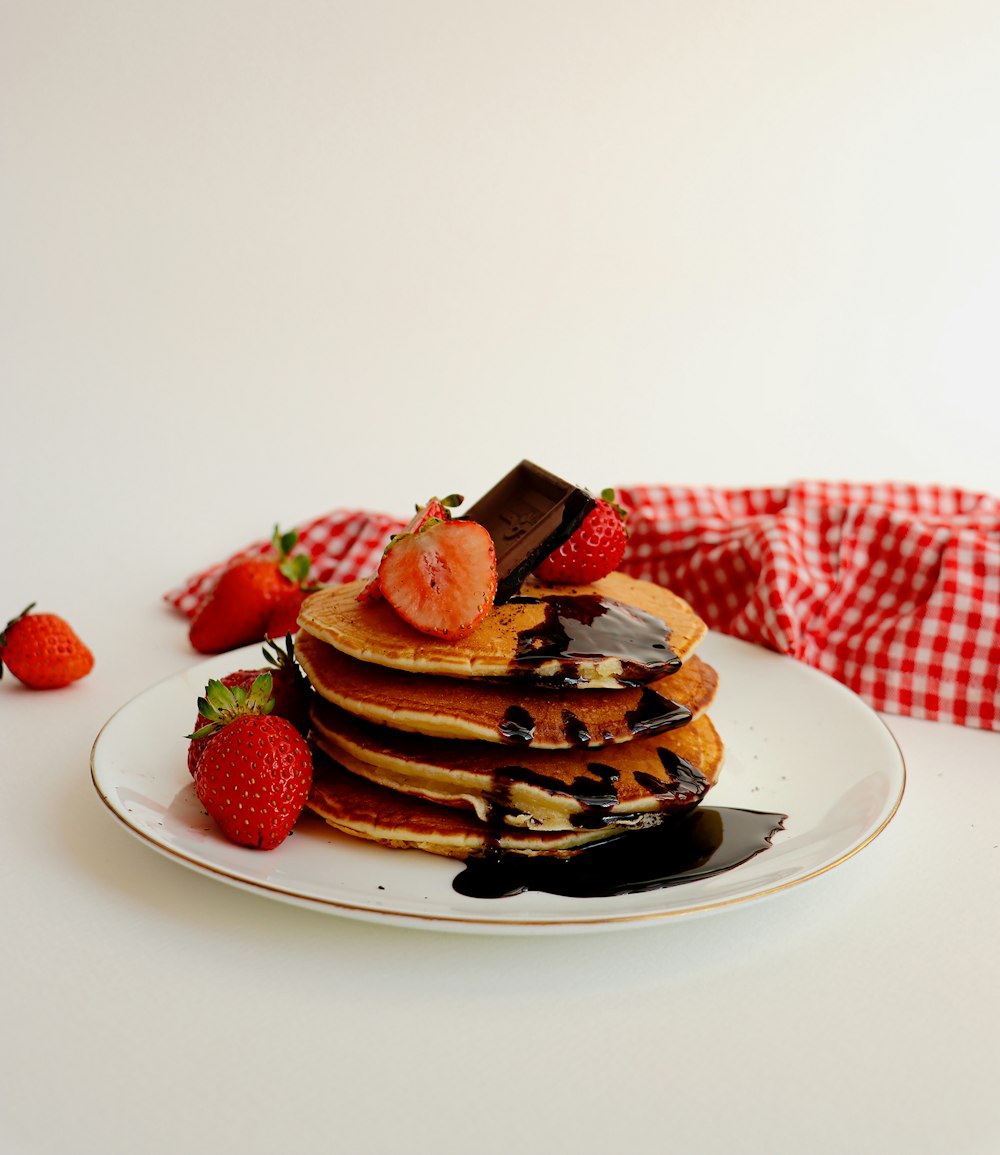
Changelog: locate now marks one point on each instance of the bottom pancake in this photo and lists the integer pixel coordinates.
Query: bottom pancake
(361, 808)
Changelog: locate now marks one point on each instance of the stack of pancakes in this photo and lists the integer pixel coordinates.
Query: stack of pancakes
(571, 714)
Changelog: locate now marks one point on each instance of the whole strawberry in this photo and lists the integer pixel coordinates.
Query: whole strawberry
(284, 616)
(43, 651)
(441, 579)
(290, 689)
(255, 772)
(239, 608)
(594, 551)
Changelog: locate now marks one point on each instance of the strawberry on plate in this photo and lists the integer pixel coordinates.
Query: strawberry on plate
(290, 689)
(255, 771)
(437, 509)
(43, 651)
(595, 549)
(243, 605)
(442, 578)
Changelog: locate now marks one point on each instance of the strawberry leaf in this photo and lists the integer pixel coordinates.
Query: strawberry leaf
(221, 704)
(296, 568)
(284, 543)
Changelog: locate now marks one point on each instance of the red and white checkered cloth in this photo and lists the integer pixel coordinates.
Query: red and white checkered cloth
(892, 589)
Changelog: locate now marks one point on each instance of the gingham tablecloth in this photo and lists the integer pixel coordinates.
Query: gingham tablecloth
(892, 589)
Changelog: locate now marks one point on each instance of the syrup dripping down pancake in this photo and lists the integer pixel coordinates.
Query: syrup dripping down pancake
(618, 631)
(493, 711)
(541, 789)
(363, 809)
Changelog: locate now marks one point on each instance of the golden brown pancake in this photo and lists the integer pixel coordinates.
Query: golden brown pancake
(363, 809)
(542, 789)
(514, 713)
(618, 631)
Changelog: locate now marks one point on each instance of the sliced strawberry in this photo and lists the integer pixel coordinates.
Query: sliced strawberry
(442, 578)
(437, 509)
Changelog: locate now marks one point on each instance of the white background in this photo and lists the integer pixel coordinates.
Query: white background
(261, 260)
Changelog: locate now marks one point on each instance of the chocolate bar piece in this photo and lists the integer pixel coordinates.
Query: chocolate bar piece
(529, 513)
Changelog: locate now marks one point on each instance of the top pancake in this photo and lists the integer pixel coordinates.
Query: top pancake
(616, 632)
(505, 712)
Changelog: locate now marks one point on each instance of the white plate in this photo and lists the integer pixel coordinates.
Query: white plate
(797, 742)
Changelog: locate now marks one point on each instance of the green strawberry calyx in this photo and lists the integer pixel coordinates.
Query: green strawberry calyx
(452, 501)
(274, 655)
(223, 704)
(283, 661)
(610, 497)
(296, 566)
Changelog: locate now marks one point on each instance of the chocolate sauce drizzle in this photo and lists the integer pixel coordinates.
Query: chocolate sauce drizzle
(517, 725)
(652, 714)
(686, 783)
(575, 730)
(589, 627)
(596, 791)
(700, 843)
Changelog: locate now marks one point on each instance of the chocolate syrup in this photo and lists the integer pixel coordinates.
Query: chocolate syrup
(685, 782)
(517, 725)
(654, 714)
(575, 730)
(596, 792)
(587, 626)
(705, 841)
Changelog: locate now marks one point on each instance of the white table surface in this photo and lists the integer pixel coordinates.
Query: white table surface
(261, 261)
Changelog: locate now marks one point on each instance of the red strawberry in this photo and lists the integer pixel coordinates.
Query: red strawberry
(238, 609)
(284, 617)
(255, 772)
(594, 551)
(238, 679)
(437, 509)
(42, 651)
(289, 685)
(441, 579)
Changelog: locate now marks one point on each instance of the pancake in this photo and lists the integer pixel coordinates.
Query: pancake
(361, 808)
(618, 631)
(541, 789)
(475, 708)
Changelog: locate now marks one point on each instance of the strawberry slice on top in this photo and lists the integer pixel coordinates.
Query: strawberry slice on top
(442, 578)
(437, 509)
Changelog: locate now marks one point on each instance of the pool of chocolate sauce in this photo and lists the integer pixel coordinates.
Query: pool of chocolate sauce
(705, 841)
